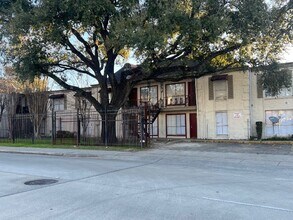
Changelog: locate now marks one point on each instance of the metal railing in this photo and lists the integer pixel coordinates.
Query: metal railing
(63, 127)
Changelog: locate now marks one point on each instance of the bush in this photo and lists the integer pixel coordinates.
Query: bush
(65, 134)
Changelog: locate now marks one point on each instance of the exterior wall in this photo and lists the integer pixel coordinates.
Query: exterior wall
(250, 106)
(170, 109)
(4, 132)
(237, 109)
(261, 105)
(66, 120)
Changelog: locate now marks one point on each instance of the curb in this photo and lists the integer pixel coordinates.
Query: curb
(224, 141)
(49, 154)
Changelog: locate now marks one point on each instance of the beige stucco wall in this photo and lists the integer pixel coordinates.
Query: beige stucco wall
(260, 105)
(245, 102)
(238, 128)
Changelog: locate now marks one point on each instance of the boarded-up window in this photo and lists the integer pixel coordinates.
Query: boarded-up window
(220, 90)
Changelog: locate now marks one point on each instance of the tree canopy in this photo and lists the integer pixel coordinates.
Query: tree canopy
(171, 39)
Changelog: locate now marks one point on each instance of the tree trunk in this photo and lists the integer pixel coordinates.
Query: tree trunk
(108, 133)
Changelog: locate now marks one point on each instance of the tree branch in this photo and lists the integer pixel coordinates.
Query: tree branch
(87, 61)
(87, 46)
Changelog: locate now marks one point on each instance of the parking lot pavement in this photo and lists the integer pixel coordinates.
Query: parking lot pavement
(275, 148)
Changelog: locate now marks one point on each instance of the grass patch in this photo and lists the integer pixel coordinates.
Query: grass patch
(47, 144)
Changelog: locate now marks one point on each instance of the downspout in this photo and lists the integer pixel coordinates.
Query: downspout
(196, 106)
(250, 103)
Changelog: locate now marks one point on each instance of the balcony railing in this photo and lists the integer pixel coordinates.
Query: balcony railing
(172, 101)
(176, 100)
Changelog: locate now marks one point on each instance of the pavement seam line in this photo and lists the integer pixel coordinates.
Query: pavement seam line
(247, 204)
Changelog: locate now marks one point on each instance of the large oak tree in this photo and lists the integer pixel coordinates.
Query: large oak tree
(172, 39)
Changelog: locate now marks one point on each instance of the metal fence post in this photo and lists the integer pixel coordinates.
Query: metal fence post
(33, 136)
(53, 127)
(141, 129)
(78, 129)
(13, 128)
(106, 127)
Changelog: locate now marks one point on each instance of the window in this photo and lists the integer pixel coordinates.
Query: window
(176, 125)
(221, 123)
(149, 94)
(220, 87)
(175, 94)
(283, 123)
(58, 104)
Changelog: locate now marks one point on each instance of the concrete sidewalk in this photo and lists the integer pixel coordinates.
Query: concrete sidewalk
(59, 152)
(165, 147)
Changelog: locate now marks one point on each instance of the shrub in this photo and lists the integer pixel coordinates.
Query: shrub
(65, 134)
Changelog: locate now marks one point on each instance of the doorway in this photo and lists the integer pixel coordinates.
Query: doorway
(193, 125)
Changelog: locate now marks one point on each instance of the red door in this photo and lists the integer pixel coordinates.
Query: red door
(193, 125)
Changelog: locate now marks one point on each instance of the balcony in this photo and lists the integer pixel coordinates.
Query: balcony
(171, 102)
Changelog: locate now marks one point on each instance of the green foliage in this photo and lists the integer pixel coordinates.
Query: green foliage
(273, 79)
(54, 38)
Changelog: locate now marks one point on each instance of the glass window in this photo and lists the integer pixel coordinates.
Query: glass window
(279, 123)
(176, 125)
(149, 94)
(58, 104)
(221, 123)
(175, 94)
(220, 87)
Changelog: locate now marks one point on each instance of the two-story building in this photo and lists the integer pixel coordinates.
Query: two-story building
(219, 106)
(225, 105)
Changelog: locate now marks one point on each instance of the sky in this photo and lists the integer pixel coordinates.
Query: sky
(287, 55)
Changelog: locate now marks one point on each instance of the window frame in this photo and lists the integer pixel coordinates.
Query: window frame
(149, 97)
(171, 102)
(59, 100)
(217, 98)
(176, 127)
(222, 124)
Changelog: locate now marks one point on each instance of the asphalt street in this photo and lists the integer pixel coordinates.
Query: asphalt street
(172, 181)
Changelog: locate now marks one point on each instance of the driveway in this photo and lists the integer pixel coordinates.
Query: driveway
(171, 181)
